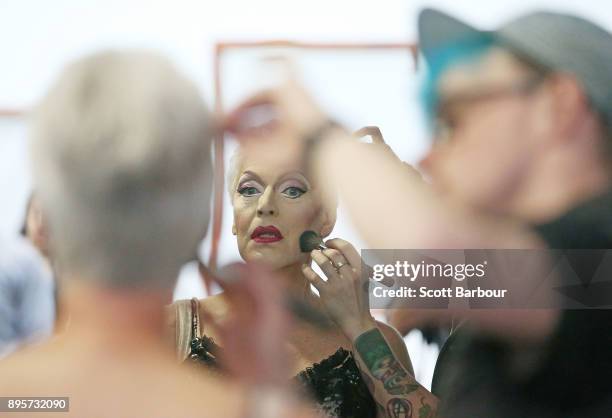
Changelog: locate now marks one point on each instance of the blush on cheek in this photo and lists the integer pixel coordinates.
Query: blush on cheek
(313, 219)
(243, 216)
(242, 221)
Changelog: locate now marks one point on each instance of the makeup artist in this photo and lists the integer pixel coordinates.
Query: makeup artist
(521, 160)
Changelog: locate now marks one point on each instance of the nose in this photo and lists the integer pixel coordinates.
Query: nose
(266, 205)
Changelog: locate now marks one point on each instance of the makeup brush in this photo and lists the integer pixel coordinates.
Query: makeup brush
(310, 240)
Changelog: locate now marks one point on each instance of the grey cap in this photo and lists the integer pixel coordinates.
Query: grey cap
(559, 42)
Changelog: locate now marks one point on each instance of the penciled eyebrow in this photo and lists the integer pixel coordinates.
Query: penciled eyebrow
(249, 175)
(302, 178)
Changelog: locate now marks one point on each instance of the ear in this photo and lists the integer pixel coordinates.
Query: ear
(569, 104)
(328, 217)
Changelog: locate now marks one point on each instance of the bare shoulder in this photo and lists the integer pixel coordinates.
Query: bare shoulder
(397, 344)
(215, 306)
(150, 371)
(213, 309)
(11, 368)
(32, 361)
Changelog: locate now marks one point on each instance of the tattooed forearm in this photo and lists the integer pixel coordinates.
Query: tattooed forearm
(381, 362)
(399, 391)
(425, 411)
(399, 408)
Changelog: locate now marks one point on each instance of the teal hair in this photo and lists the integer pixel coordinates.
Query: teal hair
(439, 60)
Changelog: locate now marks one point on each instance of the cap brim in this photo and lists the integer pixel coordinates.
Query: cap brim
(437, 29)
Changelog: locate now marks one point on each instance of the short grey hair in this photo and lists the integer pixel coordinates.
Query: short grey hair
(121, 159)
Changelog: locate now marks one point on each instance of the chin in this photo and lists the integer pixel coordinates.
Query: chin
(272, 259)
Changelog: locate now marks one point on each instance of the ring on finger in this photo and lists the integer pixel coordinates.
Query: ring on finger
(339, 265)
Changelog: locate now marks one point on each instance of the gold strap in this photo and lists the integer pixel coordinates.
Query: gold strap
(187, 326)
(195, 318)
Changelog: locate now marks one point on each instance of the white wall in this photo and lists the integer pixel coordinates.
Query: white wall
(38, 37)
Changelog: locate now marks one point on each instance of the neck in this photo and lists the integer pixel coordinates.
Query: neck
(120, 319)
(294, 282)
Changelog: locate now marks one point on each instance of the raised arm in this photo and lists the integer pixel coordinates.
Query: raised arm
(379, 350)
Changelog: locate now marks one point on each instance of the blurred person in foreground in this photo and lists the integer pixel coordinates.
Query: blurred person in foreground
(522, 160)
(122, 168)
(523, 117)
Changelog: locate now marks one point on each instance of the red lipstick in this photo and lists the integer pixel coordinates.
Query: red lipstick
(266, 234)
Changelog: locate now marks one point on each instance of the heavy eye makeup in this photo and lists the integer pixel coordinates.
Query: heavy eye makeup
(292, 189)
(249, 188)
